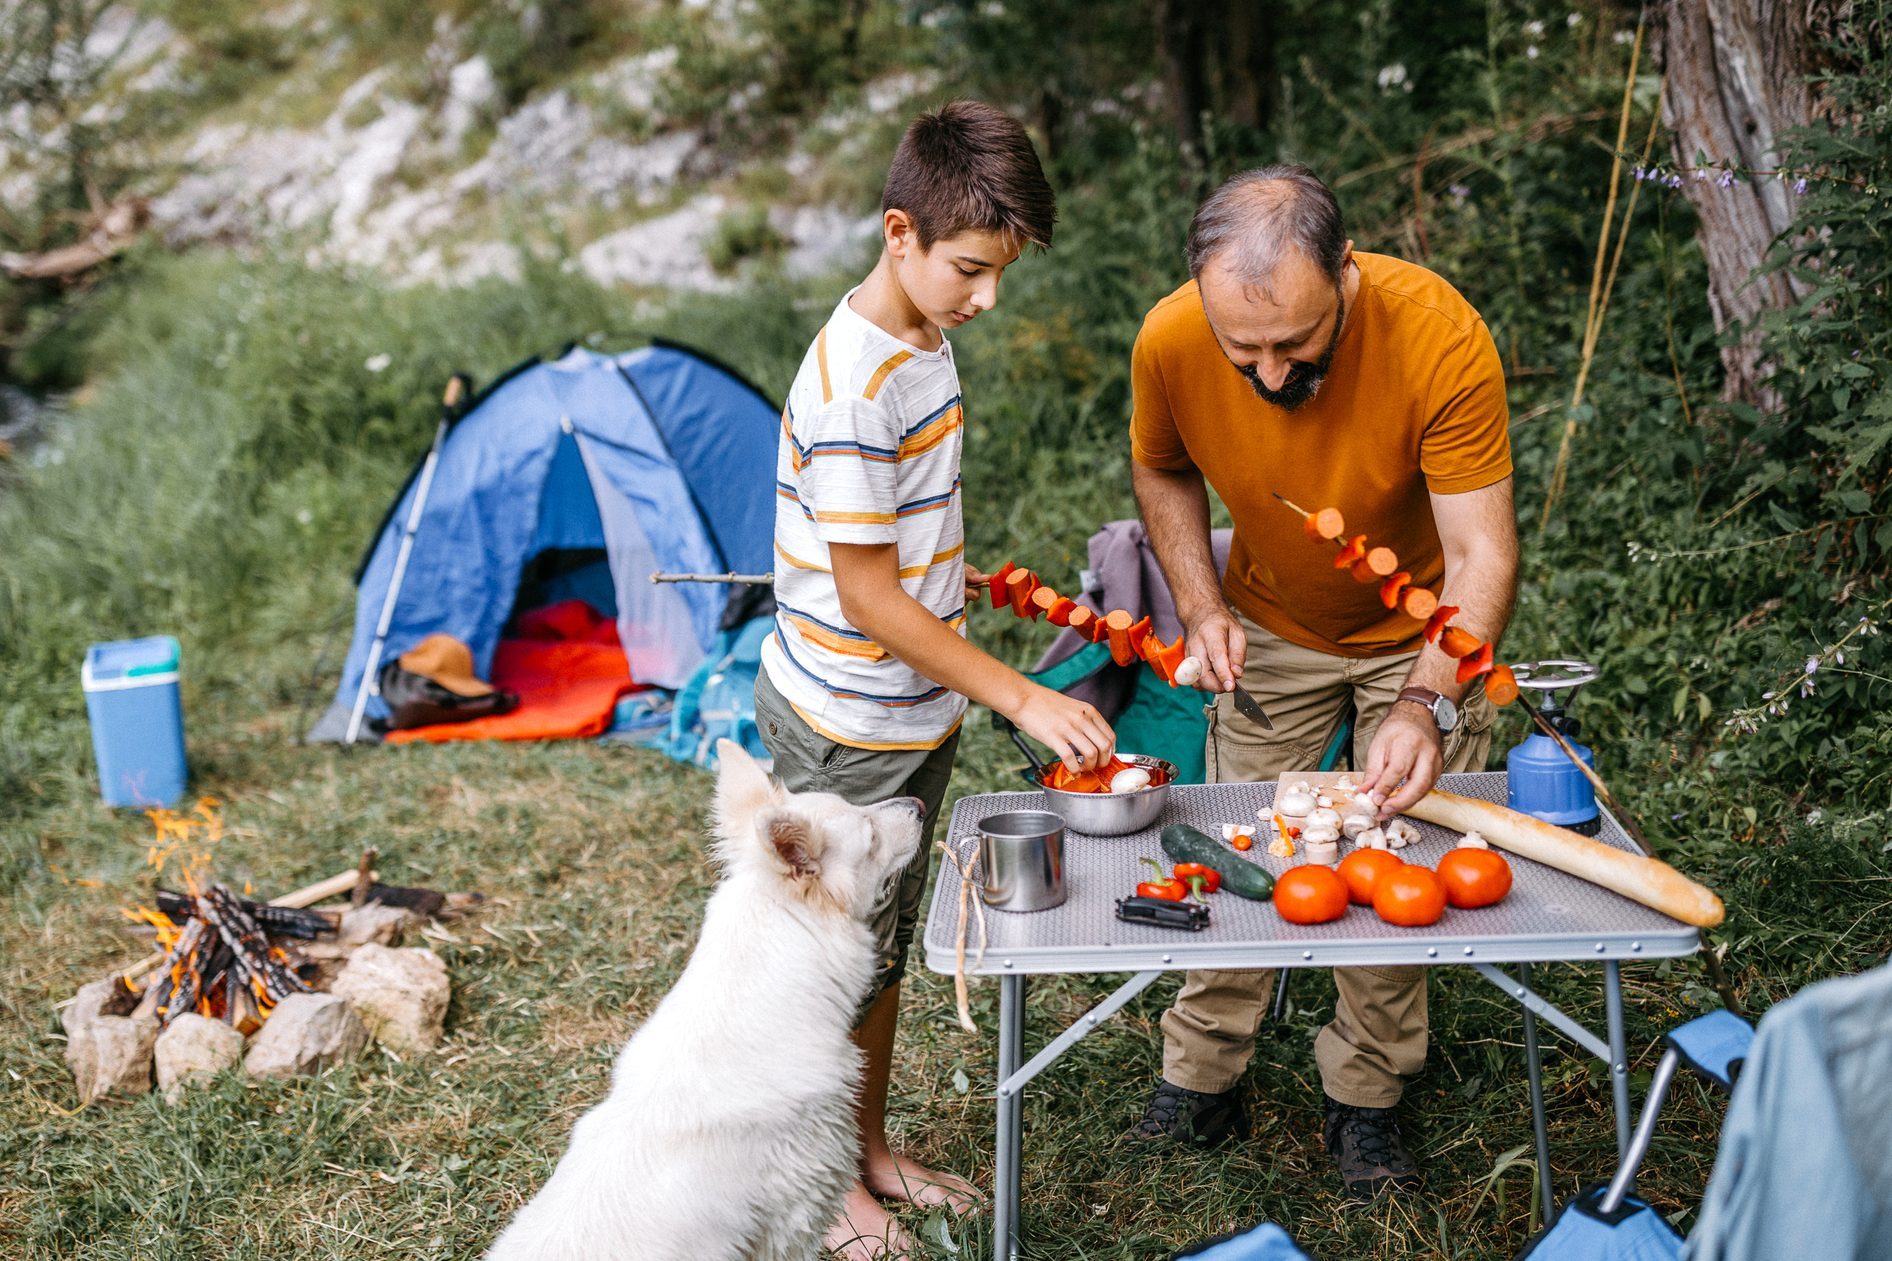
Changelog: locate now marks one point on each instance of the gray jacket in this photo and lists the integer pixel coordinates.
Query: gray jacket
(1805, 1168)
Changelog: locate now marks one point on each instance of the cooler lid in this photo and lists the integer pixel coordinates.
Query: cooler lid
(125, 660)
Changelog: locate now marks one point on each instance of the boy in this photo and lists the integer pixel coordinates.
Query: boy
(867, 675)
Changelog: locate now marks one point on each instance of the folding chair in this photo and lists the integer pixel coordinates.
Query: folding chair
(1609, 1223)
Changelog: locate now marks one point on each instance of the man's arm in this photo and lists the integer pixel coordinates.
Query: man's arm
(1478, 533)
(867, 578)
(1174, 505)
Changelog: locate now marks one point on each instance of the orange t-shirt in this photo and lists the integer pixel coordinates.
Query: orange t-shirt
(1413, 403)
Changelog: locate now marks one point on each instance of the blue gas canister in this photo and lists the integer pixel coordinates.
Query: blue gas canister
(1542, 780)
(137, 720)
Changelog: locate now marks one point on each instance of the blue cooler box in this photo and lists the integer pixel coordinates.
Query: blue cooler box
(137, 720)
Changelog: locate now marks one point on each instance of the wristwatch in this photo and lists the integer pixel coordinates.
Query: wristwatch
(1443, 711)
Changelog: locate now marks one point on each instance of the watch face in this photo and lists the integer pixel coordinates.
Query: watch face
(1445, 713)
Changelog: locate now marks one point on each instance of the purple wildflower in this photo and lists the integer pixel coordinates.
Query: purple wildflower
(1727, 180)
(1800, 187)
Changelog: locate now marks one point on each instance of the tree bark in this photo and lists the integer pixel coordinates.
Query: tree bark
(1183, 35)
(1737, 75)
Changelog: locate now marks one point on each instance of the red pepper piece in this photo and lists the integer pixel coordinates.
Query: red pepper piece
(1002, 594)
(1165, 658)
(1139, 633)
(1436, 623)
(1460, 644)
(1059, 614)
(1353, 551)
(1391, 588)
(1476, 664)
(1210, 877)
(1166, 888)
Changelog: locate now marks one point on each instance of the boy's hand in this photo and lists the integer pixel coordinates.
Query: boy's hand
(1074, 730)
(976, 583)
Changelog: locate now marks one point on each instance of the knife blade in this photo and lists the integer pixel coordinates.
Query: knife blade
(1251, 708)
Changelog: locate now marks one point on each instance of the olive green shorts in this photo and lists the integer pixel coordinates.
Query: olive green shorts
(806, 761)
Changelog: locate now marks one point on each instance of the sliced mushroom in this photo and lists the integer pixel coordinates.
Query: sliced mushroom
(1372, 838)
(1472, 840)
(1296, 801)
(1400, 834)
(1352, 825)
(1326, 853)
(1319, 835)
(1345, 784)
(1323, 817)
(1232, 830)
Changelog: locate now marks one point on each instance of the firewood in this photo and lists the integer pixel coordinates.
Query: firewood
(278, 921)
(308, 895)
(364, 876)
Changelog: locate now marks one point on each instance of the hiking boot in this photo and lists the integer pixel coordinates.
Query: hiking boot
(1191, 1116)
(1365, 1143)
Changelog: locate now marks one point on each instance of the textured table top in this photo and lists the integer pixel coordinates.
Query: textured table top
(1548, 916)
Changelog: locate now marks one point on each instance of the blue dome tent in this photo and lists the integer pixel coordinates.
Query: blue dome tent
(658, 459)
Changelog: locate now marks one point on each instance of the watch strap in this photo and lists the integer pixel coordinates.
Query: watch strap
(1423, 696)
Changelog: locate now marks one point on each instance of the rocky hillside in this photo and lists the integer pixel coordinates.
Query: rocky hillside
(445, 154)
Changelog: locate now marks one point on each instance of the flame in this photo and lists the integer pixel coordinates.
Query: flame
(185, 839)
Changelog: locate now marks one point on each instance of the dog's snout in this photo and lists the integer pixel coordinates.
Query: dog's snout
(914, 804)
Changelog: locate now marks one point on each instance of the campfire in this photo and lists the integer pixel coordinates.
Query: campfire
(281, 986)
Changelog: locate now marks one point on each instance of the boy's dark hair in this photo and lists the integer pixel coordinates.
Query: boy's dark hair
(970, 168)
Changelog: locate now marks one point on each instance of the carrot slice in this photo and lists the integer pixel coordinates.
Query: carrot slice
(1460, 643)
(1000, 592)
(1382, 561)
(1079, 619)
(1436, 623)
(1324, 525)
(1419, 603)
(1021, 583)
(1501, 688)
(1043, 600)
(1117, 630)
(1354, 550)
(1390, 589)
(1475, 664)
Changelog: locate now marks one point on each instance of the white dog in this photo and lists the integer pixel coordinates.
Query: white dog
(729, 1131)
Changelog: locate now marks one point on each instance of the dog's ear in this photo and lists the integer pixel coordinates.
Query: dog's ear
(742, 788)
(795, 844)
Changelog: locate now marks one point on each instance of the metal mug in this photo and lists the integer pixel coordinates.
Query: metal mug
(1021, 853)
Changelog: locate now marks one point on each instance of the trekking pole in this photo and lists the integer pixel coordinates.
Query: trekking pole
(747, 580)
(449, 407)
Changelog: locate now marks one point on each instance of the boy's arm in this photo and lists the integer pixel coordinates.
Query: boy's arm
(867, 578)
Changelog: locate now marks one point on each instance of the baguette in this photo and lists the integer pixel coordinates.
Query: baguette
(1649, 881)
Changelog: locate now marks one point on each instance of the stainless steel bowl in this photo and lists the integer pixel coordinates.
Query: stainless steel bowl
(1112, 814)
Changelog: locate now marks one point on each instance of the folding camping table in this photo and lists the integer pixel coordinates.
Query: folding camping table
(1548, 917)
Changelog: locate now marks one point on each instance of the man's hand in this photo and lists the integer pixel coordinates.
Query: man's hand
(976, 584)
(1217, 639)
(1407, 755)
(1076, 732)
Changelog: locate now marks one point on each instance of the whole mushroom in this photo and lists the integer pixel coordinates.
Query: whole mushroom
(1130, 779)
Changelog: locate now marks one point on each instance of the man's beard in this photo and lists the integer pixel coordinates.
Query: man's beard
(1303, 379)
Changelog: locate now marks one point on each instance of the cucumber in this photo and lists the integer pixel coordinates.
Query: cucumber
(1239, 876)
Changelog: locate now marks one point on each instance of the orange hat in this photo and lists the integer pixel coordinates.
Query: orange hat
(447, 662)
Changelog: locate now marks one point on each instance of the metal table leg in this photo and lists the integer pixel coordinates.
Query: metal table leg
(1540, 1132)
(1010, 1115)
(1619, 1053)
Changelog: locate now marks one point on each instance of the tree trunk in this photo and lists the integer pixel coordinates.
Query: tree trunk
(1183, 34)
(1737, 72)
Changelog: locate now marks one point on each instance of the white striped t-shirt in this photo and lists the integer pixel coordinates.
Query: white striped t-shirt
(869, 453)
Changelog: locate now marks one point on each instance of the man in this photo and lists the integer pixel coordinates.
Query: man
(1292, 365)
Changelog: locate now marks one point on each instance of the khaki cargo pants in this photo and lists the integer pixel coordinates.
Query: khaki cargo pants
(1377, 1038)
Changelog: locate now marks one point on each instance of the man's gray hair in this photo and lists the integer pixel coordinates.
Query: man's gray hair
(1257, 217)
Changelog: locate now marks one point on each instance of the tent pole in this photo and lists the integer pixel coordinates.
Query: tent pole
(449, 403)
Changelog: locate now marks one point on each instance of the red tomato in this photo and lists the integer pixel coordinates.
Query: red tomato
(1411, 897)
(1311, 894)
(1362, 870)
(1474, 877)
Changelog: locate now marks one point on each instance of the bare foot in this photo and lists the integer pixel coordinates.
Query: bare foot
(893, 1177)
(865, 1231)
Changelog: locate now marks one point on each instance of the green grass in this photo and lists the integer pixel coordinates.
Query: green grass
(219, 481)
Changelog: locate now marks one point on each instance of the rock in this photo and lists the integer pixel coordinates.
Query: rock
(666, 251)
(194, 1046)
(382, 925)
(305, 1034)
(401, 995)
(472, 90)
(824, 238)
(108, 1052)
